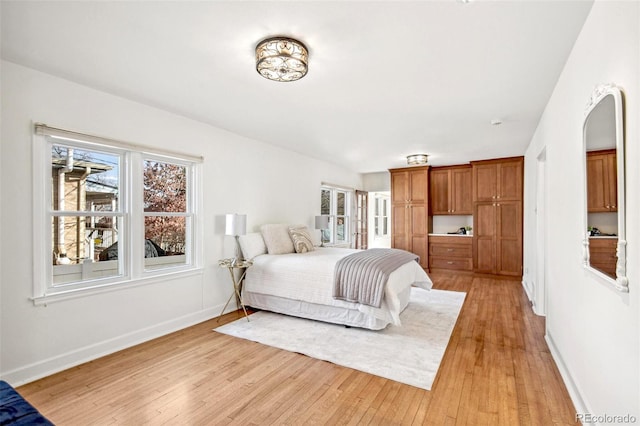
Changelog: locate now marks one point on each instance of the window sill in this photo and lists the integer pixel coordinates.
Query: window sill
(61, 295)
(339, 245)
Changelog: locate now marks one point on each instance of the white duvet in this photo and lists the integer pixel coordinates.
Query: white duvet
(308, 277)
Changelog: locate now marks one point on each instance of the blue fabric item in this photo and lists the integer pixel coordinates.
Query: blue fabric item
(15, 410)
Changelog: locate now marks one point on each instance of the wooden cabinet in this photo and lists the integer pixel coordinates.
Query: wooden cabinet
(602, 181)
(450, 190)
(497, 216)
(450, 252)
(602, 255)
(410, 211)
(498, 179)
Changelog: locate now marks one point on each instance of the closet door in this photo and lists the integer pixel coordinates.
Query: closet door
(509, 238)
(484, 238)
(485, 181)
(460, 188)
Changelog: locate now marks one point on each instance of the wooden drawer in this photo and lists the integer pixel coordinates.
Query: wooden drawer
(603, 244)
(461, 264)
(450, 240)
(450, 250)
(602, 254)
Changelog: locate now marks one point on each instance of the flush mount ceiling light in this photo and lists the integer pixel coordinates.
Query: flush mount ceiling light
(416, 159)
(281, 59)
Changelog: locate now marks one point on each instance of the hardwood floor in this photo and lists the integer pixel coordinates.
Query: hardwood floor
(497, 370)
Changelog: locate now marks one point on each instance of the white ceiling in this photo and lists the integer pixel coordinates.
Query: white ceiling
(386, 79)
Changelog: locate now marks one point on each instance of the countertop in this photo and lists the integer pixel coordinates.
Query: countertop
(451, 235)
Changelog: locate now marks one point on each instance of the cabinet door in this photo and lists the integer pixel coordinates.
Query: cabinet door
(399, 187)
(484, 239)
(400, 226)
(418, 232)
(509, 238)
(509, 181)
(485, 180)
(439, 182)
(612, 172)
(597, 184)
(418, 185)
(460, 188)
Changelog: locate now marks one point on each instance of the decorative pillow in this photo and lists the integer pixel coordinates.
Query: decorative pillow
(302, 242)
(276, 238)
(252, 245)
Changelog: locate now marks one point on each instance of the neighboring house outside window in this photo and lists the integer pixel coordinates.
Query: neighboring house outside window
(111, 213)
(336, 202)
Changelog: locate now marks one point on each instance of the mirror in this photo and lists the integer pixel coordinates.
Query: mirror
(604, 246)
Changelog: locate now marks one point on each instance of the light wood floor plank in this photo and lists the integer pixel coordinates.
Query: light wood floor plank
(497, 370)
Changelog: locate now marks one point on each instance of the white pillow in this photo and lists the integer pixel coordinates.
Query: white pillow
(276, 238)
(252, 245)
(301, 239)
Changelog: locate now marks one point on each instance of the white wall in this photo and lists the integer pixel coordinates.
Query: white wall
(376, 182)
(593, 330)
(239, 175)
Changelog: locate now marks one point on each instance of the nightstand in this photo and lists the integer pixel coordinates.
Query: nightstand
(232, 265)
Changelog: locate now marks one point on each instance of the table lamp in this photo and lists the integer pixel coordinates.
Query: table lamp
(322, 223)
(236, 225)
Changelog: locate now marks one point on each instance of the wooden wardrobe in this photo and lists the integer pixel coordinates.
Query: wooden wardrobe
(497, 216)
(410, 210)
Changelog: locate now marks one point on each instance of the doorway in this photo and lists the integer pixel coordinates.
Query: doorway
(361, 235)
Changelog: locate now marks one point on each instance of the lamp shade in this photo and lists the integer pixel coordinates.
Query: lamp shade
(281, 59)
(417, 159)
(235, 224)
(322, 222)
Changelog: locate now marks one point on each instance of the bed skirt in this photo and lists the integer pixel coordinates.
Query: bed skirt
(333, 314)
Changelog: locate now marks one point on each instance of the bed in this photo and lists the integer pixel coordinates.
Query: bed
(300, 283)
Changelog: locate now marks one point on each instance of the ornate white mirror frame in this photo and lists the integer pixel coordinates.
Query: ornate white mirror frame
(602, 100)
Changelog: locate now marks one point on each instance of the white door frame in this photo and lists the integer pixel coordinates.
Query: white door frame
(540, 286)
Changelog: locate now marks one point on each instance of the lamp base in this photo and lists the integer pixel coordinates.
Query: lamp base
(239, 256)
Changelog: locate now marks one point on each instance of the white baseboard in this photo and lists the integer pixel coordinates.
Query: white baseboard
(572, 388)
(47, 367)
(528, 290)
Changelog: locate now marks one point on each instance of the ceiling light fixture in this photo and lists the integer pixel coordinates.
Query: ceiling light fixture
(416, 159)
(281, 59)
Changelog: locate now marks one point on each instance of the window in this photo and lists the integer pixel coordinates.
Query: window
(381, 216)
(112, 212)
(166, 216)
(335, 202)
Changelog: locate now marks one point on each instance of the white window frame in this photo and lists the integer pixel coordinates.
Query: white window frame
(188, 214)
(383, 218)
(130, 211)
(333, 214)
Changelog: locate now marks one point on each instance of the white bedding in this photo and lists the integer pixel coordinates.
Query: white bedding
(283, 280)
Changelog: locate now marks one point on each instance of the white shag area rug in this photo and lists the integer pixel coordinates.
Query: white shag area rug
(409, 354)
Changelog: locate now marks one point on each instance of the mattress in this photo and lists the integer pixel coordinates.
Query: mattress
(301, 284)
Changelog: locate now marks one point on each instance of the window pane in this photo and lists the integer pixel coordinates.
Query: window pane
(377, 226)
(165, 239)
(165, 187)
(325, 202)
(341, 228)
(340, 204)
(83, 180)
(84, 249)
